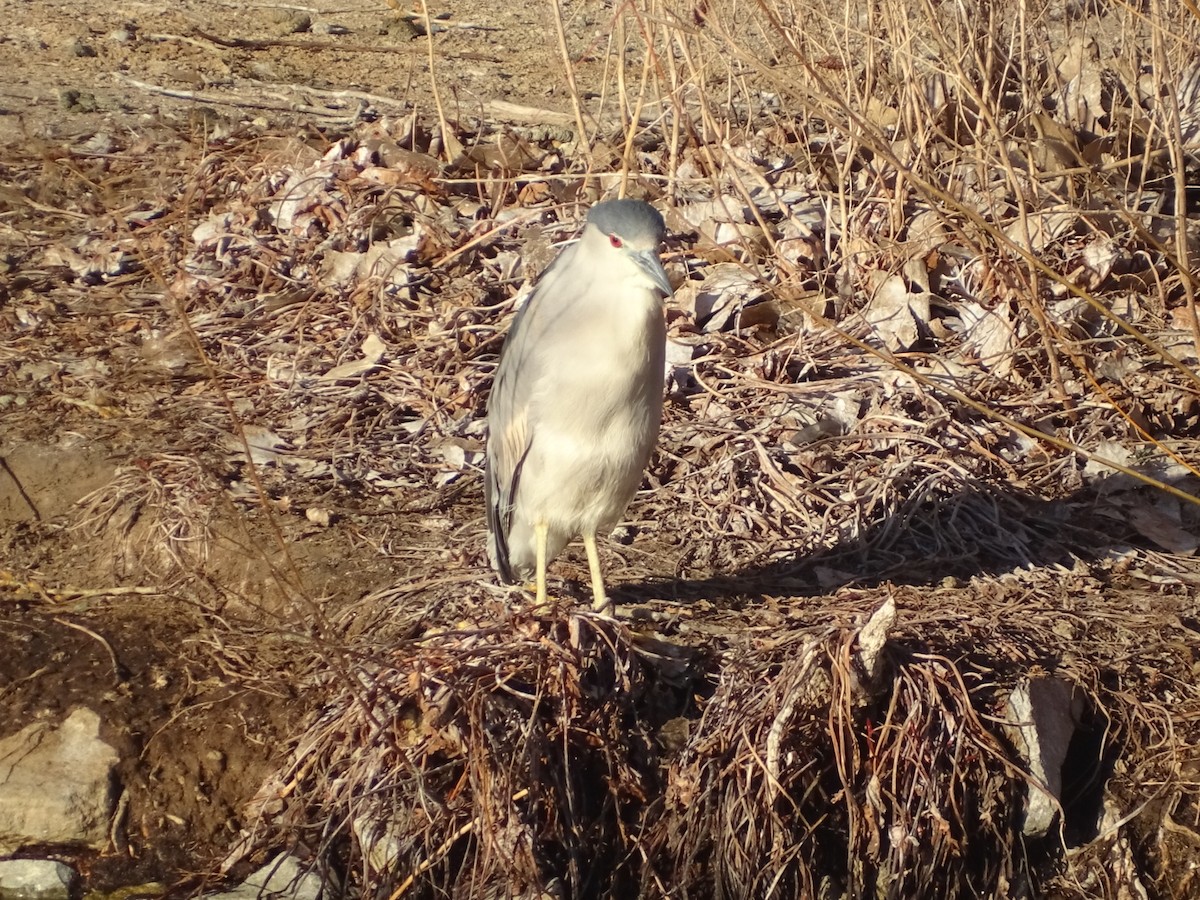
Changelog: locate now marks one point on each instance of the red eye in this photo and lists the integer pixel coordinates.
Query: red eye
(615, 241)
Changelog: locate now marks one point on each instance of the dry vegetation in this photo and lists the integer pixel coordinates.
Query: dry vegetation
(934, 357)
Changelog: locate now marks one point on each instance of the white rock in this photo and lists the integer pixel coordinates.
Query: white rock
(56, 784)
(872, 638)
(35, 879)
(379, 843)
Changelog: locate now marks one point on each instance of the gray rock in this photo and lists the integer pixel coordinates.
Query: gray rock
(290, 21)
(56, 784)
(1044, 713)
(35, 879)
(284, 878)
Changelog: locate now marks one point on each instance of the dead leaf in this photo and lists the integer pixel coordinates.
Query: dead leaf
(318, 516)
(727, 288)
(989, 336)
(1159, 522)
(897, 314)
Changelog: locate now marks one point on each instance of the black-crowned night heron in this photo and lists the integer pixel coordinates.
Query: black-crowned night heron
(577, 399)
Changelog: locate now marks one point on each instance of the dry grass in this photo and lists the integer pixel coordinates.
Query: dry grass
(960, 376)
(750, 754)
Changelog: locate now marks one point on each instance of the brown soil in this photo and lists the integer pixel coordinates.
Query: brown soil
(70, 66)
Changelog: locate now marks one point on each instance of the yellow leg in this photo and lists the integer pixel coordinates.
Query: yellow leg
(599, 598)
(539, 533)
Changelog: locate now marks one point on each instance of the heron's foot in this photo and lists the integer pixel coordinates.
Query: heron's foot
(604, 604)
(600, 600)
(542, 600)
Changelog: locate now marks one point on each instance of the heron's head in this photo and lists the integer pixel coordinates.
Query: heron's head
(625, 235)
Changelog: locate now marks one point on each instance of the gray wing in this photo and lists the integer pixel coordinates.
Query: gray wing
(510, 433)
(508, 444)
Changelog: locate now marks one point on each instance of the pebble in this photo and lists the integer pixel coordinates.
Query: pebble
(35, 879)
